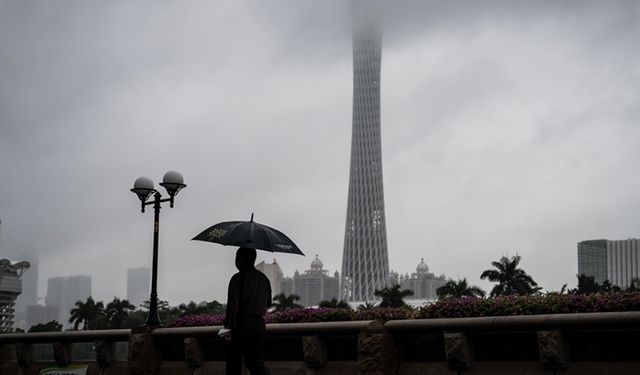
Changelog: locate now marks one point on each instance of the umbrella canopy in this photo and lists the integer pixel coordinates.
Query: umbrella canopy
(249, 234)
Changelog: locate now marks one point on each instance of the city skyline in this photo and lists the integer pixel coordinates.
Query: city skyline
(507, 129)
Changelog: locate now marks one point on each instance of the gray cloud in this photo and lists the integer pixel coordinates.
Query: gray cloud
(507, 127)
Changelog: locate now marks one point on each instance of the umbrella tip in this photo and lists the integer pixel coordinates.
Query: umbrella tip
(252, 216)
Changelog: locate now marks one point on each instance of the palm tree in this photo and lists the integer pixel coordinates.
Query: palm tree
(283, 302)
(117, 311)
(87, 314)
(458, 289)
(334, 303)
(509, 278)
(366, 306)
(393, 296)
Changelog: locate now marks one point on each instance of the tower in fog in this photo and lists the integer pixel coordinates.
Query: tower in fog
(365, 262)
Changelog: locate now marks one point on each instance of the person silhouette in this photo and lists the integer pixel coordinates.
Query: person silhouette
(248, 299)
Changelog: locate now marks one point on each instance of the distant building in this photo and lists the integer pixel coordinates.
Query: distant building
(315, 285)
(286, 284)
(138, 284)
(10, 289)
(273, 273)
(64, 292)
(29, 295)
(617, 261)
(422, 283)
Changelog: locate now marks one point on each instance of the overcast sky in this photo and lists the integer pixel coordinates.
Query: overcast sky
(507, 128)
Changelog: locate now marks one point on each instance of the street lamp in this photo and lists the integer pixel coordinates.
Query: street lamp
(143, 187)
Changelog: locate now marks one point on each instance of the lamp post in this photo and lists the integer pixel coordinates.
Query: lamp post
(143, 188)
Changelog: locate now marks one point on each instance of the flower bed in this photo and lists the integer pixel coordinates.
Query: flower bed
(531, 305)
(300, 315)
(452, 308)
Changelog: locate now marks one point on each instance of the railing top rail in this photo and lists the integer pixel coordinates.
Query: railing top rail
(274, 328)
(573, 320)
(67, 336)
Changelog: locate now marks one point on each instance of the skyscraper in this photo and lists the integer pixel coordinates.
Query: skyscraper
(365, 262)
(617, 261)
(138, 284)
(64, 292)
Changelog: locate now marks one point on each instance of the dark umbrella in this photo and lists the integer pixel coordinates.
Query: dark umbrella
(249, 234)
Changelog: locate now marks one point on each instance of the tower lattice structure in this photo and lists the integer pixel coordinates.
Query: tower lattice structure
(365, 261)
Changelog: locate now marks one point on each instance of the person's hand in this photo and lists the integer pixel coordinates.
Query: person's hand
(225, 333)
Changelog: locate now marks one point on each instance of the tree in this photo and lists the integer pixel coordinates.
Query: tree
(634, 286)
(86, 313)
(509, 278)
(366, 306)
(334, 303)
(588, 285)
(52, 326)
(117, 311)
(392, 296)
(166, 312)
(458, 289)
(192, 308)
(283, 302)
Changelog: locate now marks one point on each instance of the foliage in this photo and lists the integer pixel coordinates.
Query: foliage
(52, 326)
(384, 313)
(588, 285)
(192, 308)
(320, 314)
(531, 305)
(368, 305)
(334, 303)
(87, 313)
(392, 296)
(457, 289)
(198, 320)
(117, 311)
(304, 315)
(283, 302)
(510, 279)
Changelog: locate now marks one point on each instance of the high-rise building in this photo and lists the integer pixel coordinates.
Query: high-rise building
(616, 261)
(64, 292)
(273, 273)
(10, 289)
(138, 284)
(29, 295)
(315, 284)
(365, 262)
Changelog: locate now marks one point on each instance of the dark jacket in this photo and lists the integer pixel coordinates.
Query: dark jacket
(249, 294)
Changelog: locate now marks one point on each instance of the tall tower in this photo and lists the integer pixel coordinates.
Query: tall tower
(365, 262)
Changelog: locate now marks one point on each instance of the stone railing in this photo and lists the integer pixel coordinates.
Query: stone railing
(591, 343)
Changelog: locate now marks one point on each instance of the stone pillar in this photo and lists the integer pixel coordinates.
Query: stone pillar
(24, 354)
(315, 352)
(105, 353)
(458, 349)
(143, 358)
(7, 353)
(377, 352)
(193, 352)
(552, 349)
(62, 353)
